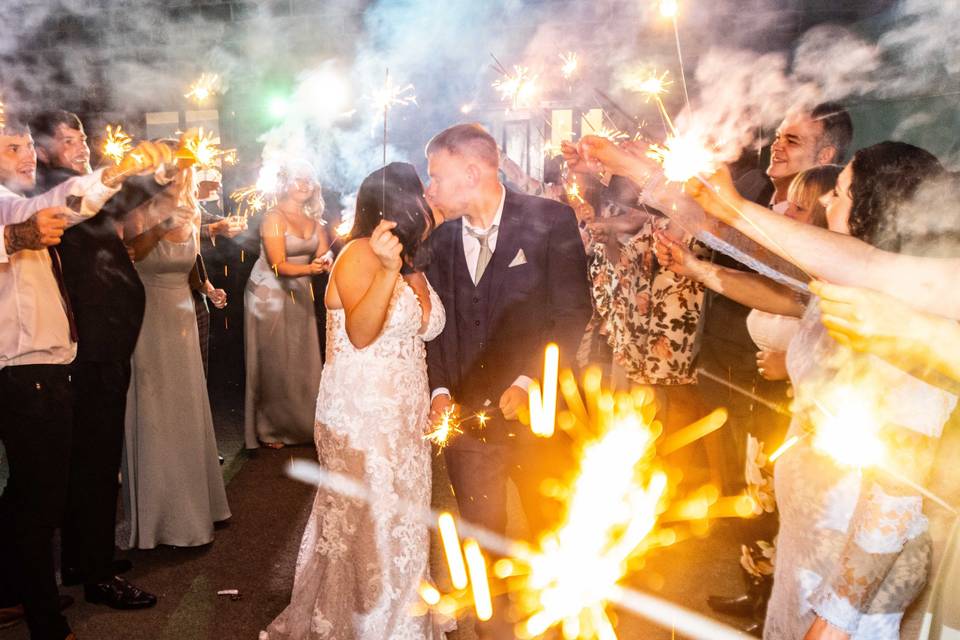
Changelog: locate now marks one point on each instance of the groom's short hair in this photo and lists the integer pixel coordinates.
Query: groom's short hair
(470, 140)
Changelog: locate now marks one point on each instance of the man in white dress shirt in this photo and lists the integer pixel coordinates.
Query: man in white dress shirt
(37, 342)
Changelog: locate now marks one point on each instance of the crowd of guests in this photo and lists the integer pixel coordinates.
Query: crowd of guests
(103, 359)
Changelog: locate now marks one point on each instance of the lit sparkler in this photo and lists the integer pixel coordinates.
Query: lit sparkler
(669, 8)
(390, 95)
(203, 88)
(684, 157)
(571, 64)
(519, 89)
(116, 144)
(199, 149)
(448, 427)
(3, 116)
(250, 200)
(649, 84)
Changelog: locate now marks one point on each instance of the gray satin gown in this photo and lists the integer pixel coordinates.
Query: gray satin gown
(282, 350)
(173, 486)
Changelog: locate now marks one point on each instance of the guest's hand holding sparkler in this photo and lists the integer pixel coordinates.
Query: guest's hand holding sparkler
(576, 162)
(717, 195)
(319, 265)
(873, 322)
(630, 162)
(216, 296)
(386, 246)
(676, 257)
(144, 158)
(513, 403)
(443, 405)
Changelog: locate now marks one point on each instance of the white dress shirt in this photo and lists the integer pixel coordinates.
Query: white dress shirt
(471, 251)
(33, 320)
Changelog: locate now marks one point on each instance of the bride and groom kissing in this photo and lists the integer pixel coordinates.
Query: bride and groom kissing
(442, 296)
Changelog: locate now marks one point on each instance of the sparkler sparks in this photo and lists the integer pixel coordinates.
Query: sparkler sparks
(519, 89)
(203, 88)
(200, 150)
(343, 229)
(649, 84)
(684, 157)
(251, 200)
(446, 429)
(116, 144)
(850, 434)
(570, 66)
(390, 95)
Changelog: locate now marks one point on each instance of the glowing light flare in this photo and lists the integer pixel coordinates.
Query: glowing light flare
(684, 157)
(203, 88)
(445, 429)
(690, 434)
(669, 8)
(850, 433)
(543, 407)
(452, 550)
(518, 89)
(782, 449)
(429, 594)
(613, 506)
(116, 144)
(479, 585)
(343, 229)
(570, 64)
(3, 115)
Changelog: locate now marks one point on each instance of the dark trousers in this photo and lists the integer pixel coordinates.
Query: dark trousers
(479, 476)
(738, 366)
(89, 525)
(36, 404)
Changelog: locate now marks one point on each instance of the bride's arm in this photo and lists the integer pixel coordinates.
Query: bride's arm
(365, 277)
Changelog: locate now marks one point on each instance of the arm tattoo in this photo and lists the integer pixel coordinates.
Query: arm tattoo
(25, 235)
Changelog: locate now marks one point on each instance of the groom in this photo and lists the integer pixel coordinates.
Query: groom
(512, 274)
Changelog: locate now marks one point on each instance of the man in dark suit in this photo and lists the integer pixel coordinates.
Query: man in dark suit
(511, 272)
(107, 298)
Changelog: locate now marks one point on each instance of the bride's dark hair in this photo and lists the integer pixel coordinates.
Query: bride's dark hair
(395, 193)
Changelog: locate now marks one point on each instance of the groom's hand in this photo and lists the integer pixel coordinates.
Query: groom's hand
(440, 405)
(513, 402)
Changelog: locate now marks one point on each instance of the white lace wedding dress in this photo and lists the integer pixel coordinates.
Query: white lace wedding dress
(360, 564)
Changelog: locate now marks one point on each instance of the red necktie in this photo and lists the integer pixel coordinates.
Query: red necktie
(58, 275)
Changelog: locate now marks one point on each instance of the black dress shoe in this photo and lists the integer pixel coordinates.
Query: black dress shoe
(118, 594)
(741, 606)
(71, 577)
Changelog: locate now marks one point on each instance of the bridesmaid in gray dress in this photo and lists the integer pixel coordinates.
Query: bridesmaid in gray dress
(173, 487)
(283, 357)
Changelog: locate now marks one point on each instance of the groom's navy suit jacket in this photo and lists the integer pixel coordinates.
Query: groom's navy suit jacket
(534, 291)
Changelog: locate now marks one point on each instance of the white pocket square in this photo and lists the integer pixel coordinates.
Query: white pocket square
(518, 259)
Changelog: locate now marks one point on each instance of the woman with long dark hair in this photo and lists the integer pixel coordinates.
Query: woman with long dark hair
(360, 564)
(854, 547)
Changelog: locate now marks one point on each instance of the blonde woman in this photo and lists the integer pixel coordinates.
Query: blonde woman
(282, 347)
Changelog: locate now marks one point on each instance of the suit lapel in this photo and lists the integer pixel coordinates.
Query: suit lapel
(508, 243)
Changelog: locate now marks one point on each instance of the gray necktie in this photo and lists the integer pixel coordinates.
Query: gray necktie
(485, 253)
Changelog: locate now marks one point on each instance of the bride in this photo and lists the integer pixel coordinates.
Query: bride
(360, 564)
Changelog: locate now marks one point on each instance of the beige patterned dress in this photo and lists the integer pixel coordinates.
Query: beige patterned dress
(360, 564)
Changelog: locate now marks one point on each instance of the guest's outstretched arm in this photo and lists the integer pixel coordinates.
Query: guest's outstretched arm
(750, 289)
(926, 283)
